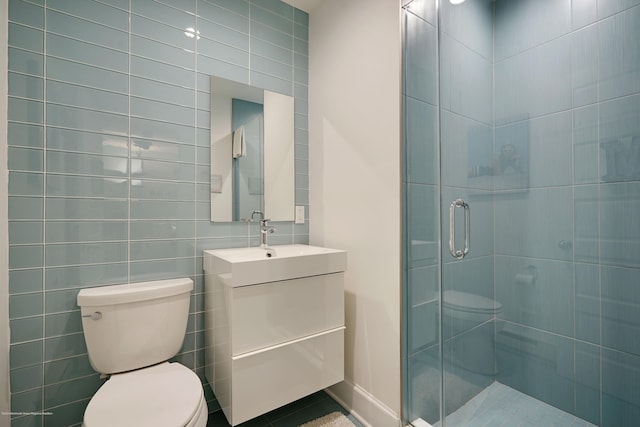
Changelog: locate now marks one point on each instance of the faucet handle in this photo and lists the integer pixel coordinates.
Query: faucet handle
(264, 221)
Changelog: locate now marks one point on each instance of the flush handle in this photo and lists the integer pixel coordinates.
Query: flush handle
(457, 253)
(96, 315)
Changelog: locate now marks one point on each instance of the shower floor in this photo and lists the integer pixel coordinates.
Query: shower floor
(499, 405)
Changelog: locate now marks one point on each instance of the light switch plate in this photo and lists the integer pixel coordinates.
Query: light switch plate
(299, 215)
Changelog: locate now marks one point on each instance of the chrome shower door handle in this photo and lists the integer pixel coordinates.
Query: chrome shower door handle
(456, 253)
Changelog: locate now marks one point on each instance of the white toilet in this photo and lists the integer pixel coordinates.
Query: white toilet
(131, 331)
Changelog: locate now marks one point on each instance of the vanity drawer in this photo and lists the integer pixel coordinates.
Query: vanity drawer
(267, 379)
(277, 312)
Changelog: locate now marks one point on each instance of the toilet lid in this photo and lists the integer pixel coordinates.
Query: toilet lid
(470, 302)
(162, 395)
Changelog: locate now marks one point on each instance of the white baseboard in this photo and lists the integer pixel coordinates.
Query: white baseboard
(364, 406)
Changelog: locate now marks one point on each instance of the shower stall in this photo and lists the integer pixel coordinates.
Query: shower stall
(521, 285)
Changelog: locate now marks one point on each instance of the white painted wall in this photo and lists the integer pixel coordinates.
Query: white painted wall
(4, 234)
(355, 187)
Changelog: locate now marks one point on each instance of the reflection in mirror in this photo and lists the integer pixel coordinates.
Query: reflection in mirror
(252, 152)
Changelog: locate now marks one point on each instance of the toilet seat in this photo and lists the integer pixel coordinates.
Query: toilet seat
(168, 394)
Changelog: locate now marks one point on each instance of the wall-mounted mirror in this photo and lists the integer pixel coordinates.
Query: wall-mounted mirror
(252, 152)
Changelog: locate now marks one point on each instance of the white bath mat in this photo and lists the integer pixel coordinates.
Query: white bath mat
(334, 419)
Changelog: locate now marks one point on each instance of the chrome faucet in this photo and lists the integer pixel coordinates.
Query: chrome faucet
(264, 230)
(258, 213)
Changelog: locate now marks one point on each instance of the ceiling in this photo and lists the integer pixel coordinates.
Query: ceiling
(306, 5)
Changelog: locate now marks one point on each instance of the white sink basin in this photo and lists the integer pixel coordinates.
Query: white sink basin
(248, 266)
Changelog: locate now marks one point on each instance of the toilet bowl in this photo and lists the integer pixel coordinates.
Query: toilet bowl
(131, 332)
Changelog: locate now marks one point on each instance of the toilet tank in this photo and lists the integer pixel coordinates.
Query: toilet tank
(134, 325)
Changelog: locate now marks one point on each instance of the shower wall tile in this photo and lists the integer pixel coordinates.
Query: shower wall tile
(471, 24)
(611, 7)
(583, 13)
(420, 137)
(467, 157)
(588, 382)
(536, 363)
(421, 225)
(536, 293)
(586, 242)
(621, 309)
(86, 75)
(425, 9)
(466, 81)
(584, 65)
(420, 64)
(81, 29)
(620, 385)
(536, 223)
(619, 58)
(585, 145)
(25, 135)
(619, 132)
(424, 385)
(619, 228)
(93, 11)
(515, 32)
(535, 82)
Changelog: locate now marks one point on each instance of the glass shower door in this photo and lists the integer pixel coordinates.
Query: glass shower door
(526, 111)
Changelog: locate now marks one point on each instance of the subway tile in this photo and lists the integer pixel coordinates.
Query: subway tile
(222, 52)
(87, 142)
(71, 391)
(62, 324)
(424, 388)
(86, 186)
(586, 145)
(151, 49)
(275, 84)
(25, 86)
(164, 14)
(584, 66)
(85, 253)
(22, 208)
(619, 59)
(421, 225)
(87, 75)
(26, 183)
(61, 301)
(25, 305)
(228, 17)
(25, 159)
(162, 131)
(85, 97)
(25, 256)
(26, 13)
(536, 293)
(67, 369)
(85, 231)
(64, 346)
(25, 135)
(161, 111)
(611, 7)
(26, 38)
(619, 132)
(141, 169)
(167, 190)
(162, 229)
(278, 21)
(25, 232)
(301, 61)
(27, 111)
(67, 415)
(22, 281)
(223, 34)
(162, 269)
(160, 209)
(95, 11)
(87, 120)
(83, 276)
(583, 13)
(27, 401)
(301, 46)
(471, 24)
(26, 378)
(86, 53)
(86, 164)
(78, 208)
(301, 32)
(188, 6)
(26, 354)
(271, 35)
(27, 329)
(162, 72)
(26, 62)
(90, 32)
(161, 249)
(158, 150)
(162, 33)
(151, 89)
(273, 68)
(120, 4)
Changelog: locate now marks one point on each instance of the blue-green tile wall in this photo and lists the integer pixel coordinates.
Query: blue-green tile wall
(109, 164)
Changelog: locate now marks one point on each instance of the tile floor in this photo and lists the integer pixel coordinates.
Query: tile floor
(291, 415)
(499, 405)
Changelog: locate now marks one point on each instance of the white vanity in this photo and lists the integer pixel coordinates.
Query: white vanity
(274, 325)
